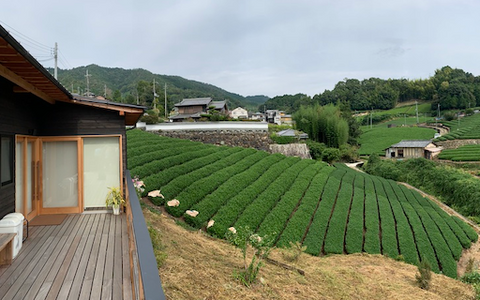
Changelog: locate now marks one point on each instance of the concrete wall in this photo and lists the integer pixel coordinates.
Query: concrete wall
(206, 126)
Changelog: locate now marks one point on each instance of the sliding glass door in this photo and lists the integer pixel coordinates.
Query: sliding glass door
(101, 168)
(56, 175)
(61, 180)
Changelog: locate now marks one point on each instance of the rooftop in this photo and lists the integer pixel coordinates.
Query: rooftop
(194, 101)
(411, 144)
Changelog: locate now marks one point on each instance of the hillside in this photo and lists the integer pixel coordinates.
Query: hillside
(328, 209)
(123, 85)
(195, 266)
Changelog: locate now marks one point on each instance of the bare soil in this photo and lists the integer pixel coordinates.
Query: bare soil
(201, 267)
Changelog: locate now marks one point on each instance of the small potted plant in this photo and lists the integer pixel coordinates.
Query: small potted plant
(114, 199)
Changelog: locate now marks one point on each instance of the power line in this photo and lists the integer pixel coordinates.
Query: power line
(42, 52)
(33, 42)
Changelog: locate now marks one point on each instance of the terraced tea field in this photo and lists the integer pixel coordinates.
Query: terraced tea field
(465, 128)
(463, 153)
(328, 209)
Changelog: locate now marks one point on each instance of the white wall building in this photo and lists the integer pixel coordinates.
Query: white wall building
(239, 113)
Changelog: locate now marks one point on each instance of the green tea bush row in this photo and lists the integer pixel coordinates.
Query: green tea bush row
(444, 254)
(424, 245)
(372, 225)
(406, 241)
(335, 237)
(298, 223)
(456, 229)
(157, 154)
(277, 218)
(174, 159)
(469, 231)
(354, 235)
(318, 227)
(202, 165)
(228, 214)
(449, 236)
(253, 215)
(387, 221)
(234, 185)
(201, 187)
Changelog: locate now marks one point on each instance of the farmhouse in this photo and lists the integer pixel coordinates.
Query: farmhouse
(239, 113)
(59, 155)
(193, 109)
(412, 149)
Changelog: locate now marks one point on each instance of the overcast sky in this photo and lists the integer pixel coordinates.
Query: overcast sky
(253, 47)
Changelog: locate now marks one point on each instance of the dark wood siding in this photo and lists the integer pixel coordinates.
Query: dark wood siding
(64, 119)
(26, 114)
(17, 116)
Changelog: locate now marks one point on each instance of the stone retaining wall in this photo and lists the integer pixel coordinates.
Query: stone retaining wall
(246, 139)
(453, 144)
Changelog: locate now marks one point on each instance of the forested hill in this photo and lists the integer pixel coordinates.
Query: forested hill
(450, 87)
(124, 85)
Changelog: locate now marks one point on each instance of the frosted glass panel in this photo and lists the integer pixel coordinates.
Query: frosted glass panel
(19, 178)
(101, 166)
(60, 174)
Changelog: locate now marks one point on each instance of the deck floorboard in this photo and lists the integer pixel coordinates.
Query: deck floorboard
(82, 258)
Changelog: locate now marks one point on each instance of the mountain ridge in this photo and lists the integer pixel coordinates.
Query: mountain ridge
(130, 85)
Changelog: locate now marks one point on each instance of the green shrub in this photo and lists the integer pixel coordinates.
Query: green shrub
(424, 275)
(283, 139)
(245, 239)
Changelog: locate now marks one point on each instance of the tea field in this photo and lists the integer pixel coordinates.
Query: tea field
(465, 128)
(463, 153)
(329, 209)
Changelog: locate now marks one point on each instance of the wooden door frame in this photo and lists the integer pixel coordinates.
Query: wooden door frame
(36, 188)
(39, 140)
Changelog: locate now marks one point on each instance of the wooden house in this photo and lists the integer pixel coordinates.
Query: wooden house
(59, 154)
(412, 149)
(193, 109)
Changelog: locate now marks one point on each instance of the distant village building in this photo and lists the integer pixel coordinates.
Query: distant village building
(278, 117)
(292, 133)
(193, 109)
(273, 116)
(285, 119)
(413, 149)
(258, 116)
(239, 113)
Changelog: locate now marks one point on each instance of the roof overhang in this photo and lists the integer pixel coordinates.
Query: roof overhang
(29, 76)
(21, 68)
(131, 112)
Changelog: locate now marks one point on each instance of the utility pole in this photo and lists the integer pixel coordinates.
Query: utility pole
(105, 92)
(416, 110)
(154, 95)
(165, 100)
(72, 88)
(88, 84)
(55, 55)
(371, 118)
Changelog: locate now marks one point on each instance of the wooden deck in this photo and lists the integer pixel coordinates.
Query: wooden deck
(86, 257)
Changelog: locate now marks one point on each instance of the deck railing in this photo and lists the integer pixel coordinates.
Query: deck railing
(143, 265)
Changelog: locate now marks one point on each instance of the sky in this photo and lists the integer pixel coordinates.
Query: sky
(254, 47)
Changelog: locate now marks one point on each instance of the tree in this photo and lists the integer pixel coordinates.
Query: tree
(323, 124)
